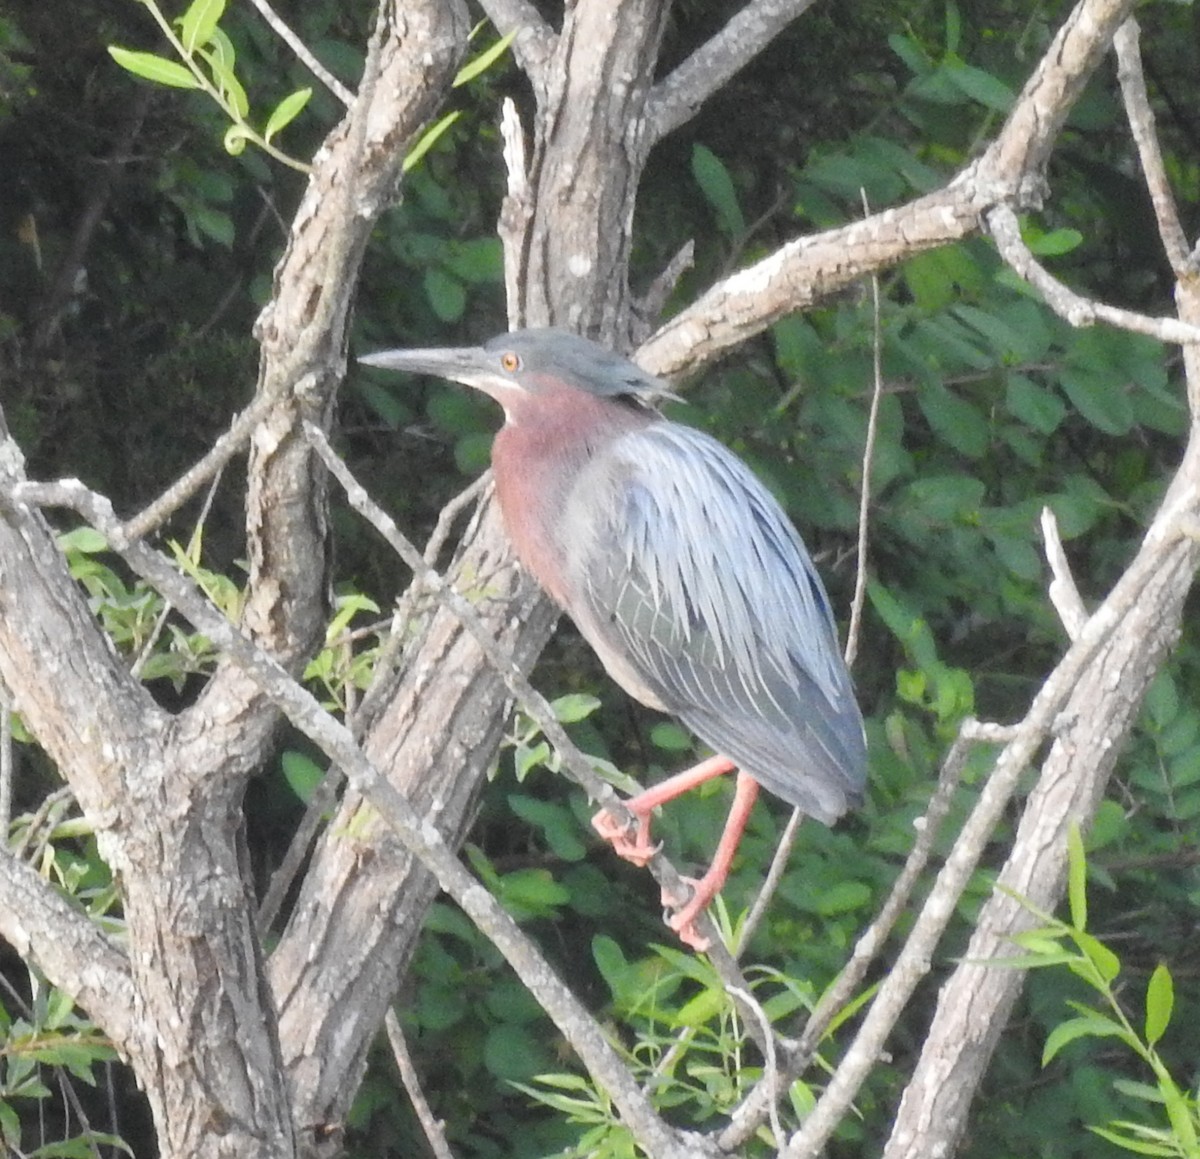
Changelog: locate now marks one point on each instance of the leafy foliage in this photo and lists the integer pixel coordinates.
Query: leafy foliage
(1061, 943)
(991, 410)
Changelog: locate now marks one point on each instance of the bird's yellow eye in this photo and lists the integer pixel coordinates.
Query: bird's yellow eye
(511, 361)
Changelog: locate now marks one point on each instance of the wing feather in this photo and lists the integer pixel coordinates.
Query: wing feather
(688, 572)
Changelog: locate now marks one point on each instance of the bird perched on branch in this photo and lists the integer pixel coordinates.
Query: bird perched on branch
(681, 571)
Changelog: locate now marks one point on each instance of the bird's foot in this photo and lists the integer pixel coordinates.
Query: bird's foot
(639, 848)
(683, 920)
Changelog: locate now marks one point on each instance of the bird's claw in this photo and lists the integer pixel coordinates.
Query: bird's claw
(639, 848)
(683, 920)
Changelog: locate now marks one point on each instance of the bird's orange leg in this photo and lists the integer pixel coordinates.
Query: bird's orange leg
(639, 848)
(704, 890)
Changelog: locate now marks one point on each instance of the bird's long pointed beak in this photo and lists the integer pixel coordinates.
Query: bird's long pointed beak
(470, 365)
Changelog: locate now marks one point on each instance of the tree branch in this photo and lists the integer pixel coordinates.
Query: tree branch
(804, 270)
(72, 951)
(417, 833)
(676, 98)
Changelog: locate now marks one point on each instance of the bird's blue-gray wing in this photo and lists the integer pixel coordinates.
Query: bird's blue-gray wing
(700, 597)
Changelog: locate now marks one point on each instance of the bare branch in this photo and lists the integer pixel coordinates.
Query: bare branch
(805, 270)
(858, 601)
(6, 762)
(1063, 593)
(1164, 551)
(535, 42)
(516, 211)
(434, 1128)
(677, 98)
(417, 833)
(747, 1117)
(175, 496)
(1145, 136)
(73, 952)
(303, 54)
(1065, 302)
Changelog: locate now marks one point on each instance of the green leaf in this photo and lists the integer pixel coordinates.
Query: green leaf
(197, 23)
(1104, 403)
(703, 1008)
(531, 893)
(1073, 1028)
(302, 774)
(1076, 877)
(574, 707)
(236, 137)
(1098, 955)
(446, 294)
(484, 60)
(1127, 1142)
(610, 960)
(1033, 404)
(428, 139)
(556, 822)
(989, 91)
(1053, 243)
(954, 420)
(286, 112)
(154, 68)
(670, 737)
(1160, 1000)
(718, 189)
(86, 540)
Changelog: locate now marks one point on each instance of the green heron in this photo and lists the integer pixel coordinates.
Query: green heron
(681, 571)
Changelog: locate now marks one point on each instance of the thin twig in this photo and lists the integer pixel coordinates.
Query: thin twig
(783, 850)
(193, 543)
(303, 53)
(864, 497)
(7, 763)
(771, 1077)
(745, 1120)
(434, 1128)
(516, 210)
(446, 517)
(417, 834)
(319, 806)
(175, 496)
(762, 900)
(1065, 302)
(1140, 115)
(1063, 593)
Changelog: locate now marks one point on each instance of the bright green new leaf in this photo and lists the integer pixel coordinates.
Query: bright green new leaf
(83, 539)
(1160, 1001)
(1096, 1026)
(1076, 877)
(704, 1007)
(302, 774)
(484, 60)
(286, 112)
(1099, 956)
(717, 186)
(154, 68)
(236, 137)
(1128, 1142)
(198, 22)
(428, 139)
(575, 706)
